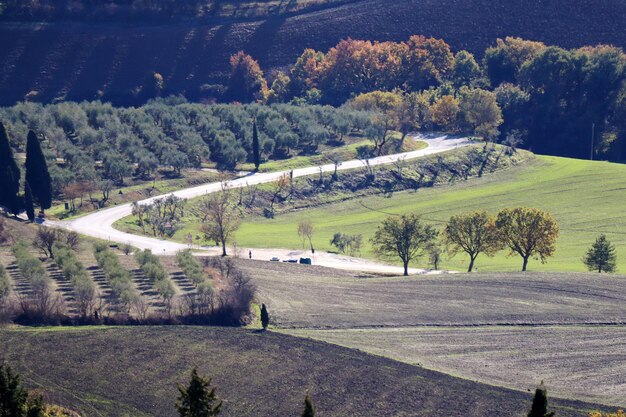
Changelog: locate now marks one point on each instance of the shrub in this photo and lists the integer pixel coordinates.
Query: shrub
(190, 266)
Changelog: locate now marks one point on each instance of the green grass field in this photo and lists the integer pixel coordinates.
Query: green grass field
(587, 198)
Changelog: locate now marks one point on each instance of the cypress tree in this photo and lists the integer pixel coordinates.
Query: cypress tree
(540, 403)
(28, 202)
(256, 152)
(37, 172)
(265, 317)
(308, 408)
(9, 175)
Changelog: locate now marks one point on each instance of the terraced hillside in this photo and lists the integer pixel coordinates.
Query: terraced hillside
(75, 61)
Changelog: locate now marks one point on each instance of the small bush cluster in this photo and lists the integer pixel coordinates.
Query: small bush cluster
(191, 266)
(157, 275)
(75, 272)
(118, 278)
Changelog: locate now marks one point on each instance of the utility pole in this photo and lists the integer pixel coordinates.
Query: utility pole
(593, 125)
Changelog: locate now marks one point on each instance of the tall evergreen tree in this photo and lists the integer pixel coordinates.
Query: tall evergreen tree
(308, 408)
(256, 151)
(265, 317)
(13, 396)
(9, 175)
(37, 172)
(28, 202)
(601, 255)
(198, 399)
(540, 403)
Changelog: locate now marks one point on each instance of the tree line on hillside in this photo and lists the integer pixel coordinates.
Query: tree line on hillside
(524, 93)
(546, 98)
(90, 147)
(552, 100)
(526, 232)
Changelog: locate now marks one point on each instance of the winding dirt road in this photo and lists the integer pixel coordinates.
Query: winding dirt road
(100, 223)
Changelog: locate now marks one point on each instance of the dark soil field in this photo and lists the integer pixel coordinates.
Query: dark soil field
(301, 296)
(508, 329)
(74, 61)
(583, 362)
(134, 372)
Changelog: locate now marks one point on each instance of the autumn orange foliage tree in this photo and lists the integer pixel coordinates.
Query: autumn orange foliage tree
(247, 82)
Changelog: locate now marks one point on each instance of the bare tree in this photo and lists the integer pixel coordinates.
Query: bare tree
(46, 237)
(282, 185)
(305, 231)
(105, 186)
(220, 217)
(141, 306)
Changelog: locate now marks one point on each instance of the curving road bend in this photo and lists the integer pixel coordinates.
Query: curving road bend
(100, 223)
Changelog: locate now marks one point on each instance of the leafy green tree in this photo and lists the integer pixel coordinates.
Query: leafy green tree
(13, 395)
(405, 237)
(529, 232)
(9, 174)
(601, 255)
(265, 317)
(540, 403)
(503, 61)
(28, 202)
(472, 233)
(116, 167)
(481, 112)
(308, 407)
(465, 71)
(256, 151)
(37, 174)
(198, 399)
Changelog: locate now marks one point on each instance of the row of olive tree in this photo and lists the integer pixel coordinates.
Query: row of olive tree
(41, 303)
(527, 232)
(120, 280)
(5, 288)
(157, 275)
(87, 144)
(74, 271)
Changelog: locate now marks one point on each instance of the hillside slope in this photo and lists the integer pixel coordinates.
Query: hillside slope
(134, 371)
(75, 61)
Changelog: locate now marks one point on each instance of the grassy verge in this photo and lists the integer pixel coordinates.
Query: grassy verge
(586, 198)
